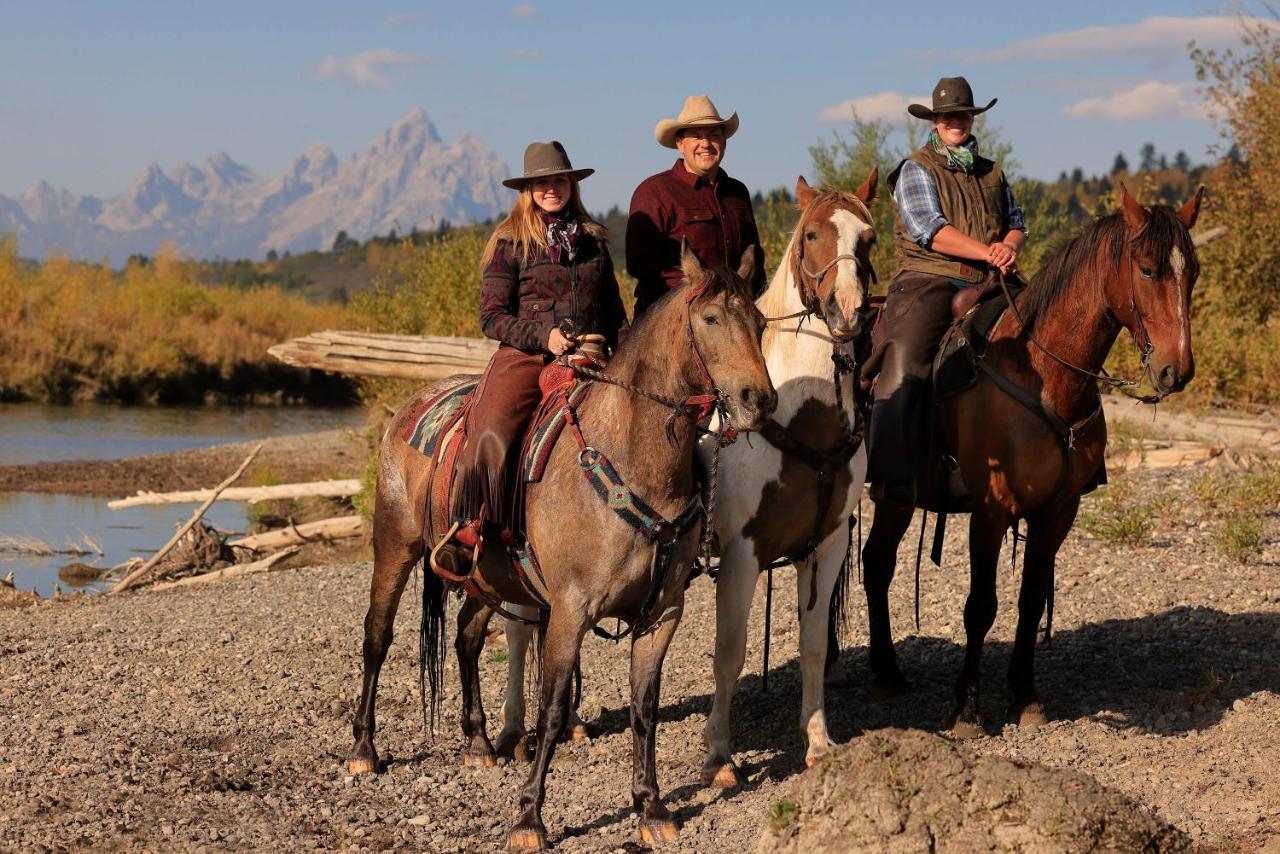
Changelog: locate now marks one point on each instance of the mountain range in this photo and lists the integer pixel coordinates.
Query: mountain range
(409, 177)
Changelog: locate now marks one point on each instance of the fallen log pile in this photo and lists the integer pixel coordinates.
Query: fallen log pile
(371, 354)
(250, 494)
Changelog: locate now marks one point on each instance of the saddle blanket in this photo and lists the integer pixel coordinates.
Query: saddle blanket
(427, 431)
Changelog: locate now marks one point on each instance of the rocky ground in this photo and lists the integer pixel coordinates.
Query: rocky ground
(218, 717)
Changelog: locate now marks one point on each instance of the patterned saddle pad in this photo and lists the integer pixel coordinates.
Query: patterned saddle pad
(439, 416)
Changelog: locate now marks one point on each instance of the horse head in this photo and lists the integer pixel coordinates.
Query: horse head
(725, 329)
(831, 259)
(1153, 296)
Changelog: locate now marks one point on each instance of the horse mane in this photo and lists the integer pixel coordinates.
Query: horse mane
(1100, 247)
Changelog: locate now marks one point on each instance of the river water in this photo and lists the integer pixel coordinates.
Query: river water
(33, 433)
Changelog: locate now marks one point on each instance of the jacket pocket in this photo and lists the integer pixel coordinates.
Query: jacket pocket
(700, 227)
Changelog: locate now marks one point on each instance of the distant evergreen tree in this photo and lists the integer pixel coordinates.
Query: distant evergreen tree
(1164, 162)
(273, 256)
(1077, 175)
(1120, 164)
(1062, 177)
(1182, 162)
(341, 243)
(1147, 158)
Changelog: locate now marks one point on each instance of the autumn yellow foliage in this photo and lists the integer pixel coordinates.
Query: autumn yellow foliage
(72, 330)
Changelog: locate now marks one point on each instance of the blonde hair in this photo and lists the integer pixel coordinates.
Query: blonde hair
(525, 230)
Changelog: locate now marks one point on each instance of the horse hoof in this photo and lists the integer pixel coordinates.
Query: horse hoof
(812, 759)
(658, 832)
(1031, 715)
(527, 839)
(357, 765)
(965, 729)
(514, 747)
(479, 760)
(726, 776)
(578, 732)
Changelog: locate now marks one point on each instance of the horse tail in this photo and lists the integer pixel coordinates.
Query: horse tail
(431, 646)
(840, 593)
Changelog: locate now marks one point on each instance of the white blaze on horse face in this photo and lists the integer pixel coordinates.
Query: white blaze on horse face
(1178, 263)
(848, 290)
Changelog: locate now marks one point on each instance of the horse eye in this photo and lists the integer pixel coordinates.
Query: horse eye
(1147, 272)
(710, 319)
(811, 235)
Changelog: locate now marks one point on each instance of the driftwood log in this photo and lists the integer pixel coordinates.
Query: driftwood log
(337, 528)
(371, 354)
(257, 566)
(320, 488)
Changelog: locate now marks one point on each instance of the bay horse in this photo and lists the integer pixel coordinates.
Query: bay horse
(1029, 435)
(792, 494)
(701, 342)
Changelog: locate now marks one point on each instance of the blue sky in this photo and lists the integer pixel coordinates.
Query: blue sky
(93, 91)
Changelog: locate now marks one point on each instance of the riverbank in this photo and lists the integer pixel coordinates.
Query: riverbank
(287, 459)
(221, 716)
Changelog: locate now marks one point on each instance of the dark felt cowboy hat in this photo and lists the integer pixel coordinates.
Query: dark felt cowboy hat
(544, 159)
(951, 95)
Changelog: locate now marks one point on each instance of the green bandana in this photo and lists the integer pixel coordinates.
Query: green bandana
(958, 156)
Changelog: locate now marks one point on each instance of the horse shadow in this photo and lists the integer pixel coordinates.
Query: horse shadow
(1170, 673)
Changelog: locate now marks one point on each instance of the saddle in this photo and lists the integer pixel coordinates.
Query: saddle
(976, 311)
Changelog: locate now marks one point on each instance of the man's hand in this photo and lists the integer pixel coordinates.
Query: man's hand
(1002, 255)
(558, 344)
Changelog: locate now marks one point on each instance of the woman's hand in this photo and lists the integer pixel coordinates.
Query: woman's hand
(1002, 255)
(558, 344)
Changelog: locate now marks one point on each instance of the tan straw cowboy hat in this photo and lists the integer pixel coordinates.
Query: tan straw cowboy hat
(544, 159)
(951, 95)
(698, 112)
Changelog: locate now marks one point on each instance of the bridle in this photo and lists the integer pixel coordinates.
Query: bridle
(809, 290)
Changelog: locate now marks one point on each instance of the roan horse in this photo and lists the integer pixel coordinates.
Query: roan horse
(1029, 436)
(792, 493)
(702, 338)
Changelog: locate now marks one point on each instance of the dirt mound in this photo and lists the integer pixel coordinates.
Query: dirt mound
(907, 790)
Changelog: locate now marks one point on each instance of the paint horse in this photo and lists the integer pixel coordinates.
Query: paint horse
(792, 494)
(612, 527)
(1038, 381)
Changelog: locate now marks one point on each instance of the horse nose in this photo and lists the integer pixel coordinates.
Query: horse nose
(762, 401)
(1172, 380)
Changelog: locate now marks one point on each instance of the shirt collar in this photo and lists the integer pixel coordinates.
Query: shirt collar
(682, 172)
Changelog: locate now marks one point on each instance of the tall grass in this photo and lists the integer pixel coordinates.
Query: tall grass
(151, 333)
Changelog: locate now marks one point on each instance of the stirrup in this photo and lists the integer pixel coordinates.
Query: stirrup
(456, 567)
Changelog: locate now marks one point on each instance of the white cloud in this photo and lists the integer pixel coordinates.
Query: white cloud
(531, 54)
(1154, 35)
(524, 10)
(1149, 100)
(361, 69)
(888, 107)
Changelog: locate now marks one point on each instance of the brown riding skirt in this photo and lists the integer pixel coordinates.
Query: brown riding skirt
(505, 400)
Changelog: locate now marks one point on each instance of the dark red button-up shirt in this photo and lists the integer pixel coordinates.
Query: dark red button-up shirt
(716, 218)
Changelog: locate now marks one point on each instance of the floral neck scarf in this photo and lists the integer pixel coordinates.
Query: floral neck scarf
(958, 156)
(563, 233)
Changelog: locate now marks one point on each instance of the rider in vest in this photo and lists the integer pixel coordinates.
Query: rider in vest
(956, 223)
(694, 200)
(547, 277)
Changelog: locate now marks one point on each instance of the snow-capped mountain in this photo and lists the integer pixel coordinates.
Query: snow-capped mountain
(408, 177)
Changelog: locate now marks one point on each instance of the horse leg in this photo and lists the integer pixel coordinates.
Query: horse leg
(657, 825)
(985, 535)
(513, 740)
(821, 570)
(1045, 533)
(879, 560)
(473, 621)
(395, 551)
(735, 587)
(559, 655)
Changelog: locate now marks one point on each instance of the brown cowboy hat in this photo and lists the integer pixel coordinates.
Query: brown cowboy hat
(543, 159)
(951, 95)
(698, 112)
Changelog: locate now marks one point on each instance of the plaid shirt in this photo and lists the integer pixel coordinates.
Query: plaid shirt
(917, 199)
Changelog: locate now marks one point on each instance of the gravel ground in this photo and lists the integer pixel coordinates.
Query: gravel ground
(219, 717)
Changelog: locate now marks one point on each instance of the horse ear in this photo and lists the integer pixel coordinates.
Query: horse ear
(1134, 214)
(747, 266)
(1190, 212)
(804, 193)
(867, 192)
(689, 265)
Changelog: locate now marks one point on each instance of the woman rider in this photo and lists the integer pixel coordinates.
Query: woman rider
(547, 276)
(956, 223)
